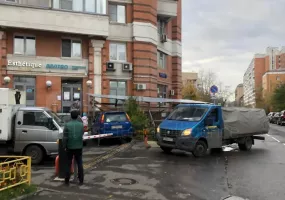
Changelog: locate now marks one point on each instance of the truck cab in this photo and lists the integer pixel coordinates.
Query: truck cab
(36, 131)
(192, 127)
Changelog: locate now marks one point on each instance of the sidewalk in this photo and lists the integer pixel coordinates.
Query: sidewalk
(99, 181)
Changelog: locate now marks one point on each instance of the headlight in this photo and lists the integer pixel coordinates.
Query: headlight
(187, 132)
(158, 129)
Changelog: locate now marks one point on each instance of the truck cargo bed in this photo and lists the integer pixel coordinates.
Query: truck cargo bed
(242, 122)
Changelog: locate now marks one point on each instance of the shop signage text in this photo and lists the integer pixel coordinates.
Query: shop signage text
(162, 75)
(56, 66)
(23, 64)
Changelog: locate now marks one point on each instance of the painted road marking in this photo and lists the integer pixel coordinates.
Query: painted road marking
(275, 139)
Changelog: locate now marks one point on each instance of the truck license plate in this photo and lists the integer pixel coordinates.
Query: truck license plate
(168, 139)
(117, 127)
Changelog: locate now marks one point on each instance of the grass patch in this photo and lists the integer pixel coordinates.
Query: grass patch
(17, 191)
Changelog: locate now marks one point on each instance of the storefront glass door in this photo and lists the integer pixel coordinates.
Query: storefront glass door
(70, 94)
(26, 84)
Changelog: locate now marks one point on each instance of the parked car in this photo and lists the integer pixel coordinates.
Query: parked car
(281, 118)
(114, 122)
(270, 116)
(275, 118)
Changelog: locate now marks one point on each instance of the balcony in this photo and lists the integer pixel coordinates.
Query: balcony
(41, 16)
(167, 8)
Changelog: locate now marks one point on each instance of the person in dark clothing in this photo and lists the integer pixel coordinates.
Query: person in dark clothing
(73, 143)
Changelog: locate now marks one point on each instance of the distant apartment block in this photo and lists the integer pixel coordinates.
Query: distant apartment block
(189, 77)
(239, 95)
(261, 75)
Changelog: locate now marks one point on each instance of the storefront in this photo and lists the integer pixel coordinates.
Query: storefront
(49, 82)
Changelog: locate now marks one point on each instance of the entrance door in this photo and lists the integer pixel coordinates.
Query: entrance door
(70, 94)
(26, 84)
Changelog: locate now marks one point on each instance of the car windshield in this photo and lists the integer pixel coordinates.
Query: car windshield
(184, 113)
(56, 118)
(115, 117)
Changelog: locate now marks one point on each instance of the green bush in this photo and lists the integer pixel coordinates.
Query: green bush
(138, 118)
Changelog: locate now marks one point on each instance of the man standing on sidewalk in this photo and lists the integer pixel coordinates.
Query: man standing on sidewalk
(73, 143)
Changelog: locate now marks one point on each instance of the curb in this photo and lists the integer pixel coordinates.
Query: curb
(26, 196)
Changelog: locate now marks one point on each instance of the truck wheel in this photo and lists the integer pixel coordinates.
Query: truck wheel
(246, 145)
(200, 149)
(166, 149)
(36, 154)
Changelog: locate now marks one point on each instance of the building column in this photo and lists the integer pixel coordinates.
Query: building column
(97, 45)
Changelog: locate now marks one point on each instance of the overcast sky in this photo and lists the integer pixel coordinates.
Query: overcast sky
(224, 35)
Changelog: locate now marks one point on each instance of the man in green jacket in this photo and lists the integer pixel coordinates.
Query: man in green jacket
(73, 144)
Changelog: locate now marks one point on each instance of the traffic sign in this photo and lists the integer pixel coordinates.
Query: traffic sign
(214, 89)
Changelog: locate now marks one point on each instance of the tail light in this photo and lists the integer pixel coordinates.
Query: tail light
(102, 119)
(128, 117)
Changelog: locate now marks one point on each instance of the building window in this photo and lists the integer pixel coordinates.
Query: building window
(162, 91)
(117, 13)
(71, 48)
(89, 6)
(161, 26)
(117, 88)
(278, 78)
(118, 52)
(161, 60)
(25, 45)
(11, 1)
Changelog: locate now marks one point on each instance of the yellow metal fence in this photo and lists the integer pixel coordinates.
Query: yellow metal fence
(14, 171)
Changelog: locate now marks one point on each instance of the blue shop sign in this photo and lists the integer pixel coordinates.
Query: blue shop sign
(55, 66)
(162, 75)
(64, 67)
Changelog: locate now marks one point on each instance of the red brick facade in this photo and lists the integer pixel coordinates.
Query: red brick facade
(142, 55)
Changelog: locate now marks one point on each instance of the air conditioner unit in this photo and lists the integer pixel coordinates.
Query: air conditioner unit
(163, 38)
(127, 67)
(141, 86)
(110, 66)
(172, 92)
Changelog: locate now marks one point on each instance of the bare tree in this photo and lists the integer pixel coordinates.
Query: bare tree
(208, 79)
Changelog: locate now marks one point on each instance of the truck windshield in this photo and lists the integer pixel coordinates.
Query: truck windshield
(56, 118)
(184, 113)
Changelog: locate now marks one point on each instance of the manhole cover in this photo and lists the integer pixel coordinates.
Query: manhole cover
(233, 198)
(123, 181)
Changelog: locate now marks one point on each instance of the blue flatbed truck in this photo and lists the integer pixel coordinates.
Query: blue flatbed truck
(198, 127)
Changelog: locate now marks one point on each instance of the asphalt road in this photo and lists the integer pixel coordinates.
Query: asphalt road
(151, 174)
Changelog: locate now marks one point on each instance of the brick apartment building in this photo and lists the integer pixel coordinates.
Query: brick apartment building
(263, 74)
(239, 95)
(120, 47)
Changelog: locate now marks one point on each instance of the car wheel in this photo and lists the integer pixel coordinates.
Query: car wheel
(200, 149)
(246, 145)
(166, 149)
(36, 153)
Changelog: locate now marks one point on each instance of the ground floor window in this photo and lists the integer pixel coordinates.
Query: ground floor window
(117, 88)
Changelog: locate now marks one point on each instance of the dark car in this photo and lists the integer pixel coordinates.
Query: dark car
(281, 118)
(275, 118)
(115, 122)
(270, 116)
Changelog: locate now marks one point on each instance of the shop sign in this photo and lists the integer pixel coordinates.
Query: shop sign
(162, 75)
(56, 66)
(24, 64)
